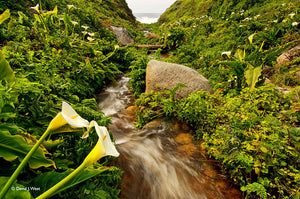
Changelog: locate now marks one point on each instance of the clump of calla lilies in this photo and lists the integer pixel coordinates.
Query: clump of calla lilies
(68, 116)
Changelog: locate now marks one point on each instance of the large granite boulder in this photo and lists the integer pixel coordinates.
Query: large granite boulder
(122, 35)
(163, 75)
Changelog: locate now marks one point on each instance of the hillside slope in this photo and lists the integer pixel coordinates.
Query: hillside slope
(236, 45)
(215, 8)
(107, 11)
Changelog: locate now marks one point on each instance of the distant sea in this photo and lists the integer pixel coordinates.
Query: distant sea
(147, 17)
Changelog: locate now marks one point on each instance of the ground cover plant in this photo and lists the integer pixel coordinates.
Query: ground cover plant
(55, 51)
(251, 128)
(61, 51)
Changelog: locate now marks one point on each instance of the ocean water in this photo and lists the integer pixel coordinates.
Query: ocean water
(147, 17)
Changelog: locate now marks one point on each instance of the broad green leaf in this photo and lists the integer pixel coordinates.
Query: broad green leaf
(15, 146)
(52, 144)
(17, 191)
(54, 11)
(6, 73)
(252, 74)
(49, 179)
(5, 15)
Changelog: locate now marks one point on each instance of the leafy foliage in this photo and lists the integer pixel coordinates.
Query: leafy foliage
(59, 54)
(138, 75)
(252, 134)
(18, 190)
(5, 69)
(15, 146)
(49, 179)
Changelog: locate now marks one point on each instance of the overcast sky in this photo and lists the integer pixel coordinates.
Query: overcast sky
(149, 6)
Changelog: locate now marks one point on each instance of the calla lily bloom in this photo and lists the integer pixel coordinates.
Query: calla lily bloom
(251, 38)
(292, 15)
(74, 23)
(104, 146)
(91, 34)
(36, 8)
(90, 39)
(68, 116)
(228, 53)
(85, 27)
(70, 6)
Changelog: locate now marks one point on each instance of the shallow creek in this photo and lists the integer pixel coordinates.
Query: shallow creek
(159, 161)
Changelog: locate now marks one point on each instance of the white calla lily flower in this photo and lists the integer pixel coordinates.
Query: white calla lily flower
(36, 8)
(74, 23)
(68, 116)
(70, 6)
(85, 27)
(104, 146)
(250, 38)
(90, 39)
(91, 34)
(228, 53)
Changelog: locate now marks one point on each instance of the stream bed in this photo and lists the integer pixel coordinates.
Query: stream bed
(159, 161)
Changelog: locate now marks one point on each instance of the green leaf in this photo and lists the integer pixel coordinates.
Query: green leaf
(252, 74)
(17, 191)
(6, 72)
(49, 179)
(5, 15)
(15, 146)
(255, 187)
(240, 54)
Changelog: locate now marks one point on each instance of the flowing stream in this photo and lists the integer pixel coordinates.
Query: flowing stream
(153, 167)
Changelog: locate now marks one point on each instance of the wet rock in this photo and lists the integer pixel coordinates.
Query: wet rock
(129, 113)
(163, 75)
(156, 124)
(186, 145)
(288, 56)
(184, 138)
(122, 35)
(190, 150)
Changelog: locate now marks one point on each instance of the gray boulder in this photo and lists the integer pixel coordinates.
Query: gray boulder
(122, 35)
(163, 75)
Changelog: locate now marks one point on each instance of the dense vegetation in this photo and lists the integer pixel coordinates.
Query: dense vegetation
(67, 53)
(64, 53)
(251, 128)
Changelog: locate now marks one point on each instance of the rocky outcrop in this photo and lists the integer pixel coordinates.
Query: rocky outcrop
(122, 35)
(288, 56)
(152, 36)
(163, 75)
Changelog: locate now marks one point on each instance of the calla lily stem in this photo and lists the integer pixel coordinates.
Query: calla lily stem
(23, 164)
(56, 187)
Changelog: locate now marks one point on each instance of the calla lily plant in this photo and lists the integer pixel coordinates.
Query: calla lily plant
(104, 147)
(69, 116)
